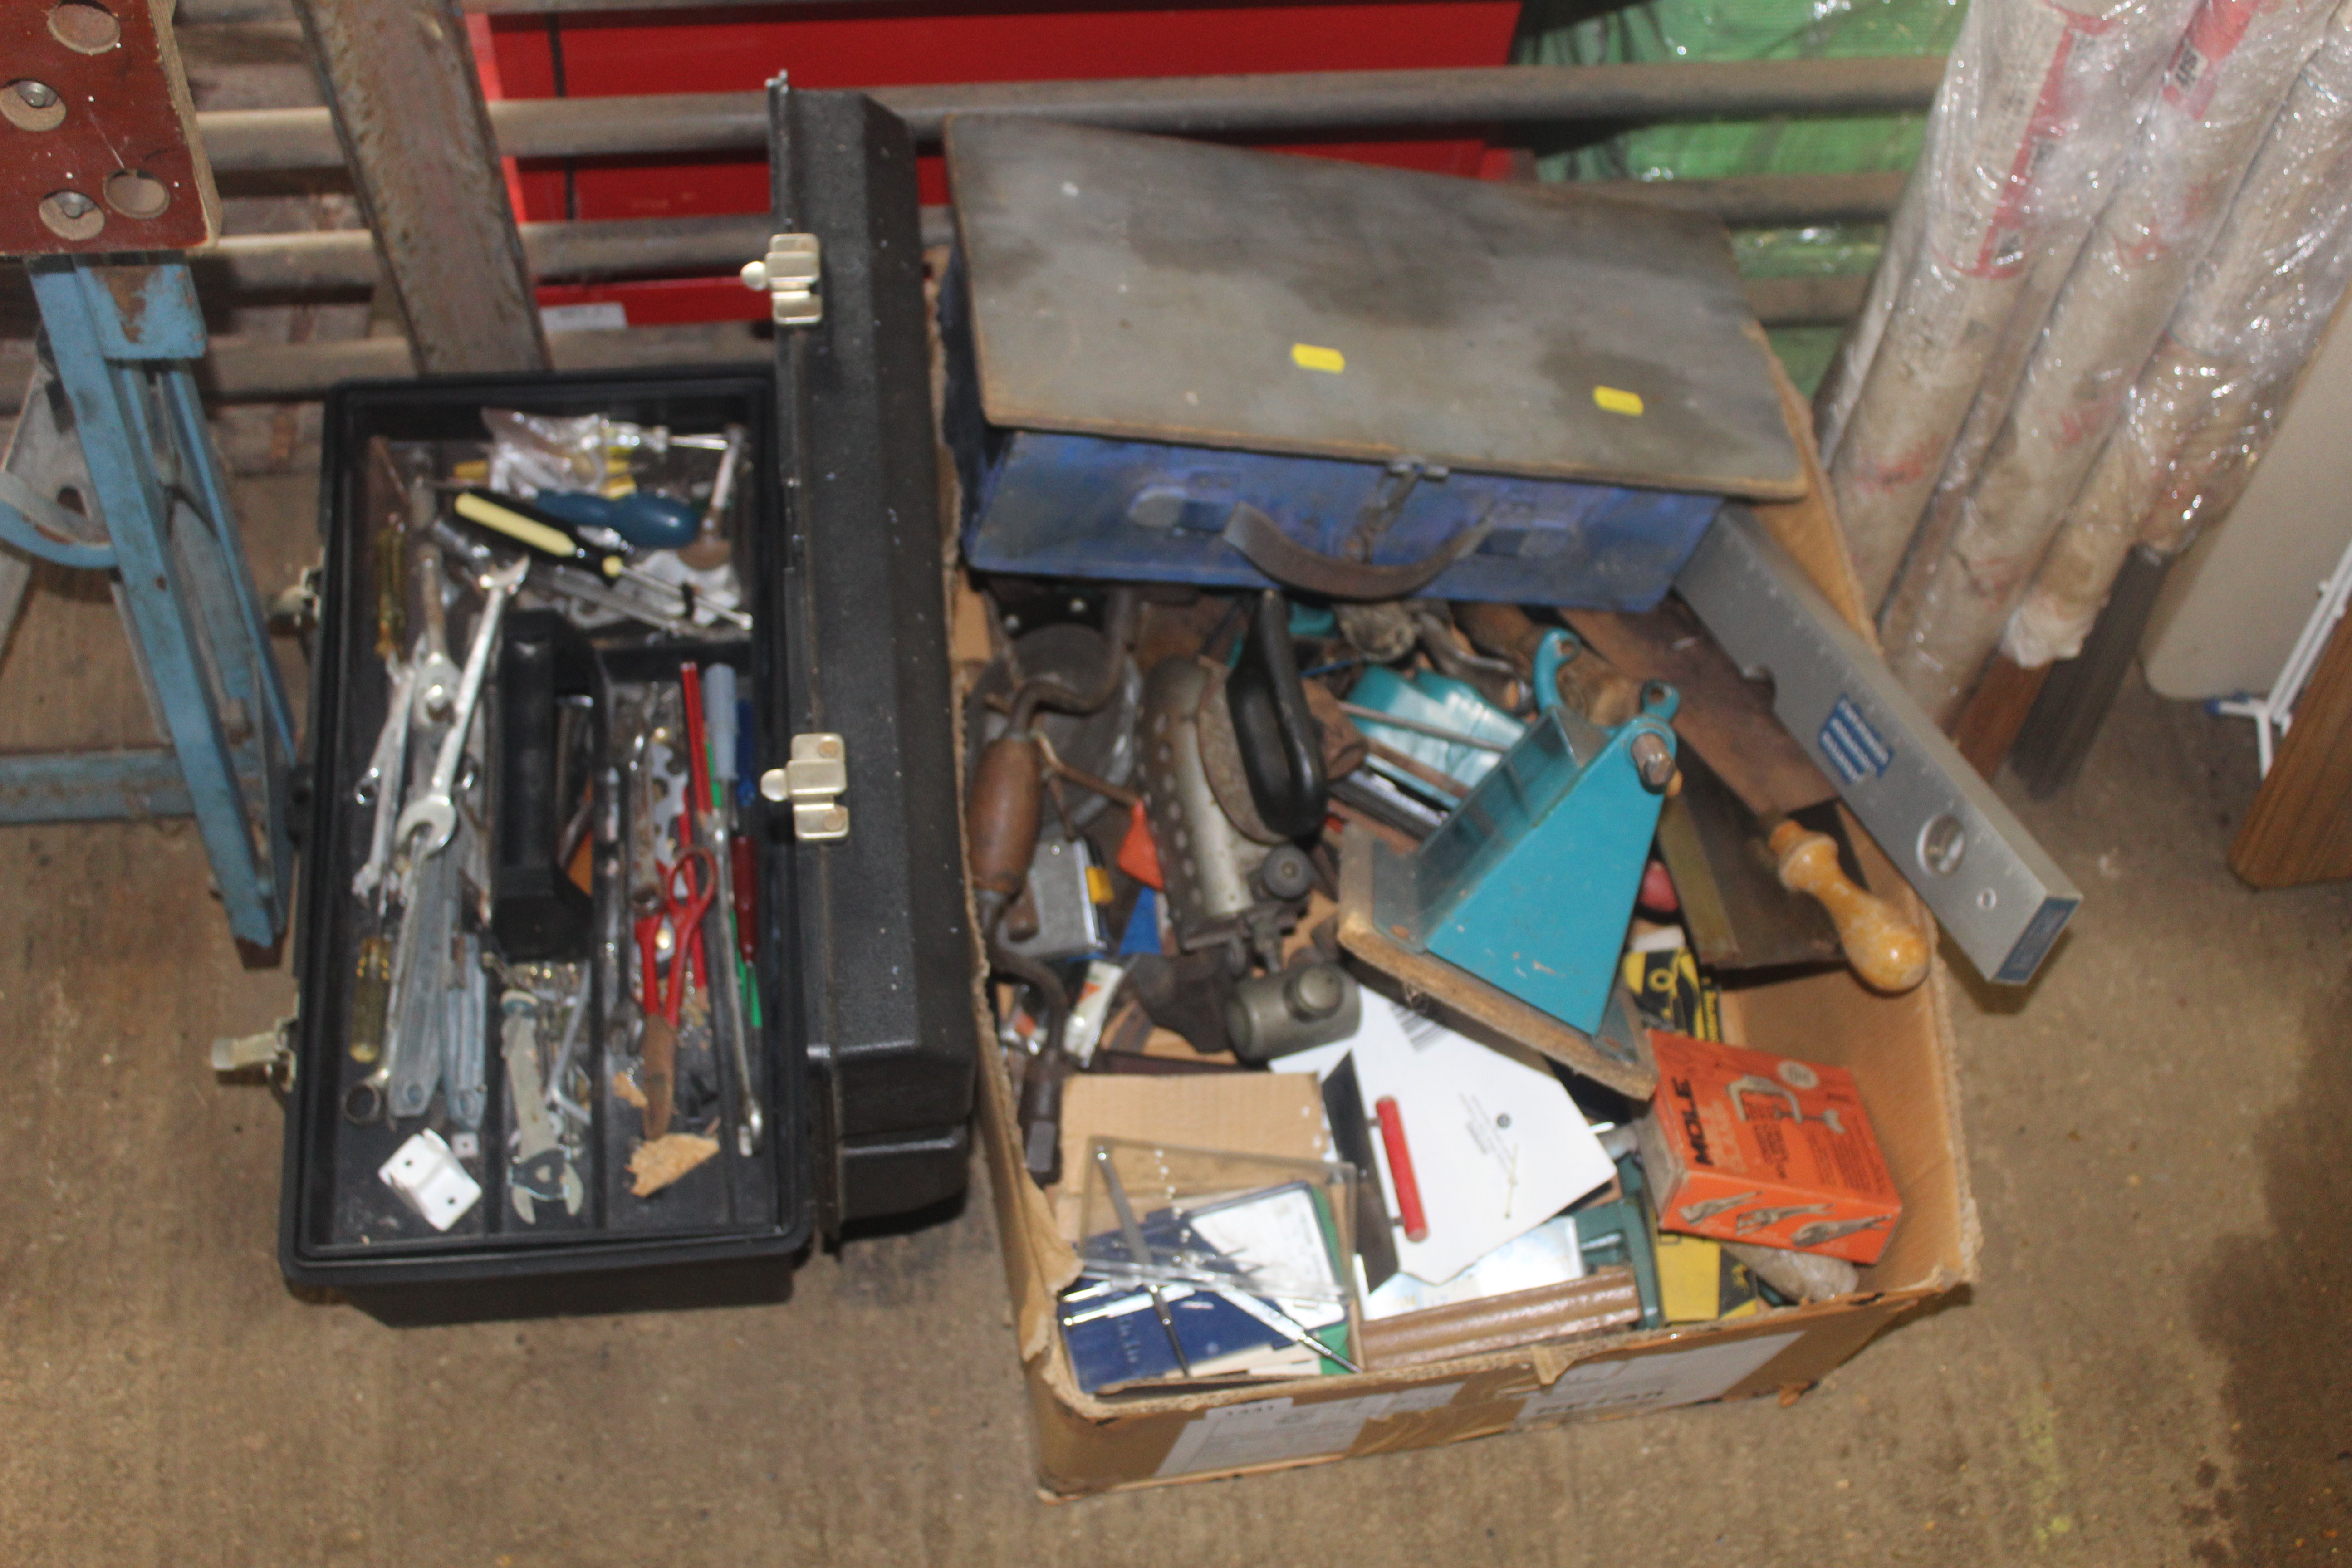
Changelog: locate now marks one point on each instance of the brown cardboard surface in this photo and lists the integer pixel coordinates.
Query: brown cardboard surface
(1124, 1448)
(1274, 1113)
(1899, 1049)
(1037, 1265)
(1913, 1096)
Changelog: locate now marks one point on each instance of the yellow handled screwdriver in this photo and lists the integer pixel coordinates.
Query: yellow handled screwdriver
(543, 532)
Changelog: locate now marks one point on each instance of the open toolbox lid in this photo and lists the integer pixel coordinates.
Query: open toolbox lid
(883, 953)
(1303, 305)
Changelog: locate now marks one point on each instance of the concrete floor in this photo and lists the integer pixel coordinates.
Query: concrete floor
(2156, 1367)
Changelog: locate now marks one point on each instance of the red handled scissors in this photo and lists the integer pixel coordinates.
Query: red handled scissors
(688, 884)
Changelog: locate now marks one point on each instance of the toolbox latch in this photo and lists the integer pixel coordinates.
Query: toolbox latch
(812, 782)
(268, 1055)
(788, 274)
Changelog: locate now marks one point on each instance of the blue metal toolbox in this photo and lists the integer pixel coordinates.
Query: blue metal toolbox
(1174, 361)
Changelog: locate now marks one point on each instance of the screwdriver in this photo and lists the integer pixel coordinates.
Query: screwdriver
(549, 535)
(708, 775)
(721, 721)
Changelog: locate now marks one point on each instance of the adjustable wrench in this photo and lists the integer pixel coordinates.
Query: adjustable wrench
(541, 1170)
(567, 1053)
(434, 816)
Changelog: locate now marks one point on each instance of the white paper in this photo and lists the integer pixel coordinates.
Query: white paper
(1548, 1255)
(1497, 1146)
(1654, 1382)
(1272, 1431)
(1275, 1240)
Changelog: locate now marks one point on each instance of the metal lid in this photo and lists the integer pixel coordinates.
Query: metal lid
(1152, 289)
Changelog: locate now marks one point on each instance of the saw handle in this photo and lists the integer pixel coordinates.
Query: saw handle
(1887, 951)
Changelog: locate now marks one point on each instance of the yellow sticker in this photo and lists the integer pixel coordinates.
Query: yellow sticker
(1098, 887)
(1306, 356)
(1618, 400)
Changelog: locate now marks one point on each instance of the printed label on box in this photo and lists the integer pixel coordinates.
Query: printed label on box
(1745, 1146)
(1273, 1431)
(1404, 1402)
(1656, 1382)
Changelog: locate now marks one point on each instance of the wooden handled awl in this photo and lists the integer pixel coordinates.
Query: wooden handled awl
(1885, 949)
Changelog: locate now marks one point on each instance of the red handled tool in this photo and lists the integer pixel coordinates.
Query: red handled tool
(684, 909)
(1408, 1187)
(747, 899)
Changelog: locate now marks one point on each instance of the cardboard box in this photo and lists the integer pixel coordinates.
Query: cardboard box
(1743, 1146)
(1900, 1052)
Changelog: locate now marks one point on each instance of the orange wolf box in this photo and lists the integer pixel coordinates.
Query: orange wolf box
(1744, 1146)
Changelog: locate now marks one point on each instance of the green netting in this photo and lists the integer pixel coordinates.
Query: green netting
(1592, 32)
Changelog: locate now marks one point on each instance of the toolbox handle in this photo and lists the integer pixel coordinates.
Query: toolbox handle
(1261, 541)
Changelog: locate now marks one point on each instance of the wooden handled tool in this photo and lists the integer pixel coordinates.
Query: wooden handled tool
(1886, 951)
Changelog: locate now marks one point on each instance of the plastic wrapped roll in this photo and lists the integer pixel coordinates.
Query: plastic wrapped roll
(2204, 403)
(2220, 91)
(1834, 400)
(2022, 146)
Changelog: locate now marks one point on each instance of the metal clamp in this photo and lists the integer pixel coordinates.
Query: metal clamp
(812, 782)
(788, 274)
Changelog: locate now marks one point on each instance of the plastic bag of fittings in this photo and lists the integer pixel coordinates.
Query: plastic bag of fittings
(534, 452)
(1198, 1263)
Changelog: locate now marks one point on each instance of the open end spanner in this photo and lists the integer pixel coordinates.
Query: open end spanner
(414, 1021)
(380, 785)
(434, 816)
(435, 688)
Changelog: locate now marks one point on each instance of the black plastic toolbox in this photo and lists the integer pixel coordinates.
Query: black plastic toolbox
(864, 1058)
